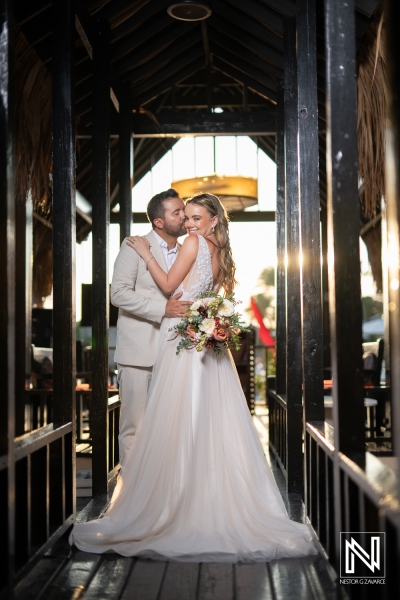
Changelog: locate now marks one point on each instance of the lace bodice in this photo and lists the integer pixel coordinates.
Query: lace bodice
(200, 278)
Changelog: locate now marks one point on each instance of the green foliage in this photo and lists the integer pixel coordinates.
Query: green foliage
(267, 277)
(371, 307)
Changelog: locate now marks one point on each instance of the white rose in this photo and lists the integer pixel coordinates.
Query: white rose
(226, 308)
(208, 326)
(196, 305)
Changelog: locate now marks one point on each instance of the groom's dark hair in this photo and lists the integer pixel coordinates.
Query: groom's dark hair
(155, 208)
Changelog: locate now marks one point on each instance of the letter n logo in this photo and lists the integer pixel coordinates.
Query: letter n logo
(362, 554)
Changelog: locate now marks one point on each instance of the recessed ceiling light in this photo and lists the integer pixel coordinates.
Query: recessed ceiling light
(189, 11)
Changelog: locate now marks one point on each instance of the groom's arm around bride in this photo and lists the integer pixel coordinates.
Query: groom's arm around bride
(142, 306)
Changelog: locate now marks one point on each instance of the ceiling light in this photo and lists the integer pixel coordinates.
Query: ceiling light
(189, 11)
(235, 192)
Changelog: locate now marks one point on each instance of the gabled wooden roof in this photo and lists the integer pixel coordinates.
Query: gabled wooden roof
(232, 60)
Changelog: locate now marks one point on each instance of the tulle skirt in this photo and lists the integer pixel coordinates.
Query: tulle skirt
(196, 486)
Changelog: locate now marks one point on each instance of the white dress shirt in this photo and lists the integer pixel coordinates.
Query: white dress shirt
(169, 255)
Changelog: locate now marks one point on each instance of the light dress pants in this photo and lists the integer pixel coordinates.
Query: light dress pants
(133, 386)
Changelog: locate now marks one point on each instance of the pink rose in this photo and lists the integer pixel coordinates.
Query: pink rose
(191, 332)
(220, 334)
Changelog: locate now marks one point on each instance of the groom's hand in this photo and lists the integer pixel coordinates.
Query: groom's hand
(175, 307)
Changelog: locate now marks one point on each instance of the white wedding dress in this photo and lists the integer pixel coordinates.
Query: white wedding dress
(196, 486)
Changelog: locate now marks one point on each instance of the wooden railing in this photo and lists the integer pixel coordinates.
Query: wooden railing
(342, 497)
(277, 428)
(44, 474)
(244, 359)
(114, 407)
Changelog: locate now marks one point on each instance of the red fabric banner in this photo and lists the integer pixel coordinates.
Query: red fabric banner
(265, 335)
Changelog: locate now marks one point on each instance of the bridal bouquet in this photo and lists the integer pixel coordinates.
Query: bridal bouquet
(211, 322)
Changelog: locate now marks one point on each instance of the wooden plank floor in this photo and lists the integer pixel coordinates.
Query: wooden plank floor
(67, 573)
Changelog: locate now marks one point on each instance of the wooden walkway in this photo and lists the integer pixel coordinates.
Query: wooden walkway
(67, 573)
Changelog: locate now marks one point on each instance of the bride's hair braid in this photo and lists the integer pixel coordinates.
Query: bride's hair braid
(214, 208)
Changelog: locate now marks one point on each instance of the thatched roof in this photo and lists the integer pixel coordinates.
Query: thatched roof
(33, 134)
(371, 124)
(371, 116)
(33, 147)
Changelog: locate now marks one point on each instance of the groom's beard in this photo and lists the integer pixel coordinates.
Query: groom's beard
(176, 231)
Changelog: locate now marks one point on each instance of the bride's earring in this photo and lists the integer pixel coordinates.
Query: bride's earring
(212, 229)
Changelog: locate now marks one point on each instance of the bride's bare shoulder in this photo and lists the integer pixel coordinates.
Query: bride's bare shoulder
(191, 242)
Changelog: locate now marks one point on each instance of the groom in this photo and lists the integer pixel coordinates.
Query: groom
(142, 306)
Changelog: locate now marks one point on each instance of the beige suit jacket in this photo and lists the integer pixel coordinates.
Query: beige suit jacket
(141, 306)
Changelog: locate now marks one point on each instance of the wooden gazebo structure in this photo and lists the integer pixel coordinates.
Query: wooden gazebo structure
(92, 93)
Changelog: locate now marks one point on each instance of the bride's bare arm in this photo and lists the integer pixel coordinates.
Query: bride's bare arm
(168, 282)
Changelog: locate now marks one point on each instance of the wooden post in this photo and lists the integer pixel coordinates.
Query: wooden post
(343, 244)
(23, 307)
(392, 15)
(7, 298)
(280, 382)
(326, 333)
(100, 227)
(64, 227)
(294, 412)
(125, 162)
(313, 371)
(343, 230)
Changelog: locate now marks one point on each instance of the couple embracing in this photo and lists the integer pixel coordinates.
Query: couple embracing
(194, 484)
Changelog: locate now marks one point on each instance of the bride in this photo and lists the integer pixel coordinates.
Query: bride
(197, 486)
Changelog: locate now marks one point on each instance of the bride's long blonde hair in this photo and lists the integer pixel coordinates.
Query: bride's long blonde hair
(213, 206)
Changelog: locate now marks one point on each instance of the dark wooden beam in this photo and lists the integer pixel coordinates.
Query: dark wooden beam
(180, 123)
(280, 381)
(246, 54)
(116, 8)
(392, 16)
(235, 217)
(252, 26)
(123, 49)
(294, 408)
(23, 307)
(229, 69)
(168, 72)
(256, 216)
(38, 28)
(100, 228)
(7, 298)
(168, 83)
(326, 331)
(208, 61)
(285, 7)
(234, 39)
(343, 230)
(246, 66)
(83, 26)
(260, 12)
(343, 219)
(63, 214)
(125, 162)
(64, 232)
(157, 64)
(307, 102)
(157, 46)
